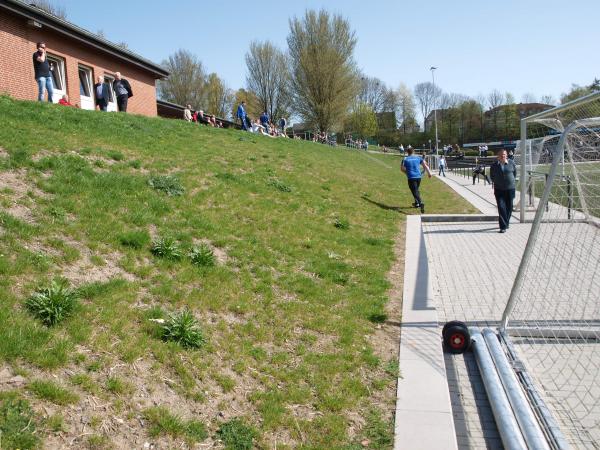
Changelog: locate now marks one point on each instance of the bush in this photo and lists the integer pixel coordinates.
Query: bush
(279, 185)
(184, 329)
(202, 255)
(236, 435)
(166, 248)
(17, 427)
(52, 304)
(341, 223)
(168, 184)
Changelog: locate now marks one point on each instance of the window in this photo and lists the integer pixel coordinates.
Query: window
(57, 69)
(85, 81)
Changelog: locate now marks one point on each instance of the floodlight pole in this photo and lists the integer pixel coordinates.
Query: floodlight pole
(434, 110)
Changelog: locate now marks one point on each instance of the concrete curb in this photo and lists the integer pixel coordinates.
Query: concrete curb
(423, 410)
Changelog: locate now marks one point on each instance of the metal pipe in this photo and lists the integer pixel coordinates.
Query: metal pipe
(524, 181)
(534, 437)
(552, 430)
(509, 430)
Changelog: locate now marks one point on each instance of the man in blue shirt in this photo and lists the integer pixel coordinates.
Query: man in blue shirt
(241, 114)
(411, 166)
(264, 121)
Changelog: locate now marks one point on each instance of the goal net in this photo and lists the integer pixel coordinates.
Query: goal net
(552, 317)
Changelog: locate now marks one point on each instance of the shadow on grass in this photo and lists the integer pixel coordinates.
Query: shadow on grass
(399, 209)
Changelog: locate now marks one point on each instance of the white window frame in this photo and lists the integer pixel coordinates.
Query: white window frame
(58, 70)
(87, 102)
(112, 104)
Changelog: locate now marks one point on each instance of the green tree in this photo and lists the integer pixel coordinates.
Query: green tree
(324, 79)
(186, 82)
(252, 103)
(580, 91)
(362, 121)
(218, 97)
(268, 78)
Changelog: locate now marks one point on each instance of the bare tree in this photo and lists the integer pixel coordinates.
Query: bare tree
(406, 108)
(374, 92)
(268, 78)
(218, 97)
(427, 95)
(324, 78)
(509, 98)
(50, 7)
(495, 98)
(186, 82)
(528, 97)
(548, 100)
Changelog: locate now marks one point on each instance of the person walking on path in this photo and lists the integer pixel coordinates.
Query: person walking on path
(503, 173)
(123, 91)
(42, 68)
(411, 166)
(241, 114)
(442, 166)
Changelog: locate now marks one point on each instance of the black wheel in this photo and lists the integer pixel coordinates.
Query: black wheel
(453, 323)
(457, 339)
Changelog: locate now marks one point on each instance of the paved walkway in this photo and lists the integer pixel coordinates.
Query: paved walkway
(454, 271)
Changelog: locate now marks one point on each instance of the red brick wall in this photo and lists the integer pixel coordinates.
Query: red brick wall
(17, 45)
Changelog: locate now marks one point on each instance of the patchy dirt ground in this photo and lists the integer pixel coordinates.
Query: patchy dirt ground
(19, 191)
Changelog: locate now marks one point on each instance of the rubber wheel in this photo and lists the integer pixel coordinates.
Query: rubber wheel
(457, 339)
(453, 323)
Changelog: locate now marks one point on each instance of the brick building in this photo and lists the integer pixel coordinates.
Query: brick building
(77, 57)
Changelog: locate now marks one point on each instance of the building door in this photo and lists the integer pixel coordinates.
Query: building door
(86, 93)
(57, 69)
(112, 101)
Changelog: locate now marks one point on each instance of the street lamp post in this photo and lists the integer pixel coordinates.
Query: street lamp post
(434, 110)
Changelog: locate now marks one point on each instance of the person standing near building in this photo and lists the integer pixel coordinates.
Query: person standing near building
(187, 113)
(42, 71)
(442, 166)
(101, 93)
(123, 91)
(503, 173)
(411, 166)
(241, 114)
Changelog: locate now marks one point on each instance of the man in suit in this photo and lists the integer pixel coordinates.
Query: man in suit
(503, 174)
(123, 91)
(101, 93)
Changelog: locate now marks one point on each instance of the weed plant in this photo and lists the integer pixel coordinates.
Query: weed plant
(168, 184)
(279, 185)
(166, 248)
(341, 223)
(236, 435)
(202, 255)
(52, 304)
(183, 328)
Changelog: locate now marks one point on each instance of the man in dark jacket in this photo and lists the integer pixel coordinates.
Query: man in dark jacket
(101, 93)
(503, 173)
(122, 91)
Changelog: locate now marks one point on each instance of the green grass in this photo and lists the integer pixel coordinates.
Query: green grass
(48, 390)
(285, 316)
(162, 421)
(17, 423)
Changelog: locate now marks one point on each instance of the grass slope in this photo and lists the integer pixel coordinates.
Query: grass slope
(302, 236)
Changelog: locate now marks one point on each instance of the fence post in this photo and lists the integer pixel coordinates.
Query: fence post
(570, 201)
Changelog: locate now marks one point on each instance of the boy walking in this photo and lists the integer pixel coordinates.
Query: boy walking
(411, 166)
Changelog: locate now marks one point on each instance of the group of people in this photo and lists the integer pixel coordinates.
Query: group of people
(43, 69)
(261, 125)
(483, 150)
(199, 117)
(503, 173)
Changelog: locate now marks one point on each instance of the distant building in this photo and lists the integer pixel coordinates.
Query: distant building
(522, 109)
(77, 55)
(386, 120)
(431, 117)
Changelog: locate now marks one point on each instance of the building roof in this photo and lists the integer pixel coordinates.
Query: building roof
(43, 19)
